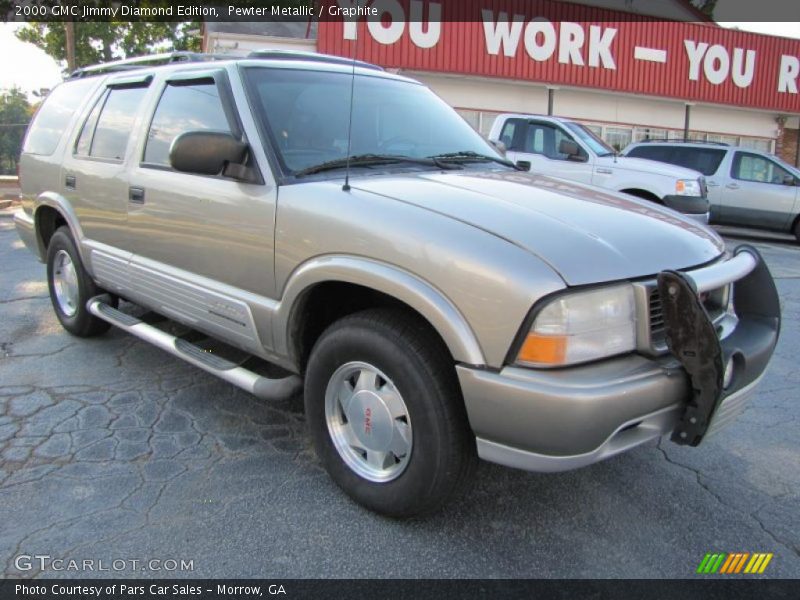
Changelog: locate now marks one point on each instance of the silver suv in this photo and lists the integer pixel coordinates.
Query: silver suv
(745, 187)
(331, 225)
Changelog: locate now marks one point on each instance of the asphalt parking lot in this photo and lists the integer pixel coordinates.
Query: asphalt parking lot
(111, 450)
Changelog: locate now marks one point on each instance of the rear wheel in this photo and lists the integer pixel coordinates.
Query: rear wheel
(386, 414)
(797, 230)
(71, 287)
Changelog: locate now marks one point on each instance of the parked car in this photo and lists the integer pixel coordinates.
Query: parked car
(745, 186)
(561, 147)
(436, 303)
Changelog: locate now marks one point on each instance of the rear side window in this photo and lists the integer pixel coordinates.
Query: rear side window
(705, 160)
(115, 122)
(53, 117)
(182, 108)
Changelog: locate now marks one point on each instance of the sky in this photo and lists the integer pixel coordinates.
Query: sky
(28, 67)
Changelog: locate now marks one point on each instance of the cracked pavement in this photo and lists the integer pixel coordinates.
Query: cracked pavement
(111, 449)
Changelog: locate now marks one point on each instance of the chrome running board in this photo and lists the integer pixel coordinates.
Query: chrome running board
(258, 385)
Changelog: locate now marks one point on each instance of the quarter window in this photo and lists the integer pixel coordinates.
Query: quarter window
(183, 108)
(50, 122)
(754, 167)
(115, 123)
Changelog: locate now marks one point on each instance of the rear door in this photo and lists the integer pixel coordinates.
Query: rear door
(758, 192)
(94, 173)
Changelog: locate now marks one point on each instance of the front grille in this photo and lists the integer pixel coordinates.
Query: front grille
(657, 336)
(715, 302)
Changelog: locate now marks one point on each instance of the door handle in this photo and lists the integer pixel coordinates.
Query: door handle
(136, 195)
(732, 186)
(712, 184)
(69, 182)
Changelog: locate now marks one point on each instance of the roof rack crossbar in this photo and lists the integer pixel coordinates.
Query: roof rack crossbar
(142, 61)
(311, 57)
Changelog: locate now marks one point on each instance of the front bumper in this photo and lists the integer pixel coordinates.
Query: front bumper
(696, 208)
(555, 420)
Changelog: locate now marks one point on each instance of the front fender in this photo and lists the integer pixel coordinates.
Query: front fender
(420, 295)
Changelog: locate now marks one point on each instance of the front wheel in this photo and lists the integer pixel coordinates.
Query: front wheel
(71, 287)
(386, 415)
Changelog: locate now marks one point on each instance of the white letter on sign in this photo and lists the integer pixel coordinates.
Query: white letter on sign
(350, 30)
(787, 76)
(387, 35)
(499, 34)
(544, 50)
(425, 39)
(695, 53)
(570, 44)
(743, 77)
(600, 47)
(716, 73)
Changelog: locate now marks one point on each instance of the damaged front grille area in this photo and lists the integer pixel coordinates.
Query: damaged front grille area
(651, 333)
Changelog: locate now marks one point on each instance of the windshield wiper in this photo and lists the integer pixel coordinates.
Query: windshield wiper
(364, 160)
(470, 156)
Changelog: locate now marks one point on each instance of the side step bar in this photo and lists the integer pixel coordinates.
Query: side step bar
(262, 387)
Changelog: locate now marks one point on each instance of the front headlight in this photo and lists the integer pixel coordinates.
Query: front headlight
(688, 187)
(582, 326)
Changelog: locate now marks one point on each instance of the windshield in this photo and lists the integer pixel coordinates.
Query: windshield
(306, 115)
(588, 137)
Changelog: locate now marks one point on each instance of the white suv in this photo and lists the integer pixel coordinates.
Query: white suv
(560, 147)
(745, 187)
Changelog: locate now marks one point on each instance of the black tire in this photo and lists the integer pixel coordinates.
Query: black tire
(797, 230)
(82, 323)
(443, 457)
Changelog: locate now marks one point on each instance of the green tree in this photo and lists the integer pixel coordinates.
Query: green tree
(97, 42)
(15, 112)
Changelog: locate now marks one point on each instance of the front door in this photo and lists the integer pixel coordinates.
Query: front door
(203, 245)
(538, 143)
(758, 193)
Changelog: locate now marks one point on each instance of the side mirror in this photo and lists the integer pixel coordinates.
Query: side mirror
(789, 180)
(524, 164)
(206, 152)
(572, 150)
(499, 146)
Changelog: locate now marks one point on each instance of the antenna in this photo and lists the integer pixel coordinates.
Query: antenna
(346, 186)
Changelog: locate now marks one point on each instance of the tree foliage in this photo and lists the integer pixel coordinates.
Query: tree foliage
(15, 112)
(97, 42)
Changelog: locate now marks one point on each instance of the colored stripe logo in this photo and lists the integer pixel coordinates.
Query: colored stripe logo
(734, 563)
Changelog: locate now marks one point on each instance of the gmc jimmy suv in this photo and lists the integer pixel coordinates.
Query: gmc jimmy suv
(329, 225)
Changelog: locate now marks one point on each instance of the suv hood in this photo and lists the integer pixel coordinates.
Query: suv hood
(585, 234)
(643, 165)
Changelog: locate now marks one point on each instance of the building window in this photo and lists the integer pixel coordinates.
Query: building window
(618, 137)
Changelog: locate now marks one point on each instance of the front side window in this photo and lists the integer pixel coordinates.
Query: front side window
(115, 123)
(754, 167)
(183, 107)
(590, 138)
(543, 138)
(306, 115)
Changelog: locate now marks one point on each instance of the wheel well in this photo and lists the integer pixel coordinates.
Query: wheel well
(48, 220)
(795, 227)
(643, 194)
(327, 302)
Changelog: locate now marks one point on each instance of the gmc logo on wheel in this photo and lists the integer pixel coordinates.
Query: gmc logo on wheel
(368, 421)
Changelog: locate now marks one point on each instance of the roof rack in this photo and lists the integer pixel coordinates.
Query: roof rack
(312, 57)
(152, 60)
(673, 141)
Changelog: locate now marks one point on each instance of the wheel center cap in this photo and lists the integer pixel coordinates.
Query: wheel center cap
(370, 420)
